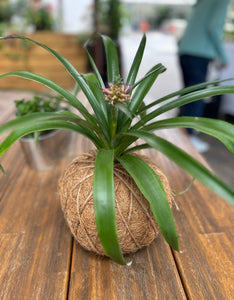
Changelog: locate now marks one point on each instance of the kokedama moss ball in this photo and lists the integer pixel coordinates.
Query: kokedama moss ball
(136, 226)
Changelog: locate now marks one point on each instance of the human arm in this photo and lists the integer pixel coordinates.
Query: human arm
(215, 29)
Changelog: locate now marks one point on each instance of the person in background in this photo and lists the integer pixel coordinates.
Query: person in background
(200, 44)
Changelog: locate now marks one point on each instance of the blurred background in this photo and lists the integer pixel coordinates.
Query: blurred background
(123, 20)
(85, 16)
(66, 25)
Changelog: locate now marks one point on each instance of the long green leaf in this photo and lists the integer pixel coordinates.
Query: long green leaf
(102, 115)
(97, 73)
(104, 204)
(219, 129)
(182, 92)
(188, 163)
(89, 130)
(2, 170)
(111, 59)
(159, 68)
(188, 98)
(124, 109)
(76, 89)
(45, 116)
(93, 84)
(46, 125)
(136, 62)
(55, 87)
(136, 148)
(151, 187)
(144, 86)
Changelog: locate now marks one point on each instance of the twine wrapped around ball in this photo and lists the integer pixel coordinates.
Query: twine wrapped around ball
(136, 225)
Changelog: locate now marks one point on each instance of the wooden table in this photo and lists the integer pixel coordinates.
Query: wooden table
(40, 259)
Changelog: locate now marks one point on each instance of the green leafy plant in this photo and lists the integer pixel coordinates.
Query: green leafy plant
(117, 120)
(6, 11)
(41, 18)
(39, 103)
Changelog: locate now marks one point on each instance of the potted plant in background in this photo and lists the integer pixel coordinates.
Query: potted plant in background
(6, 11)
(39, 15)
(43, 149)
(114, 199)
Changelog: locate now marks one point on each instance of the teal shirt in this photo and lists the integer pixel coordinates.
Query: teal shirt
(203, 34)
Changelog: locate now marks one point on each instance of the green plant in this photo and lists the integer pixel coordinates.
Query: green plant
(39, 103)
(41, 18)
(117, 120)
(9, 10)
(6, 11)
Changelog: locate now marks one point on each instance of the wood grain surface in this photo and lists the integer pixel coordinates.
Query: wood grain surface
(40, 260)
(20, 55)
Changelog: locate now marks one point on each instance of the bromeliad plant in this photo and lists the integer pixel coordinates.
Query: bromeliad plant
(117, 120)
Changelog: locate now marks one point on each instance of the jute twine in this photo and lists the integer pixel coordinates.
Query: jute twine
(136, 226)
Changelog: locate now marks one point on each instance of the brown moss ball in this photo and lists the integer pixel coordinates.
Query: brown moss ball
(136, 226)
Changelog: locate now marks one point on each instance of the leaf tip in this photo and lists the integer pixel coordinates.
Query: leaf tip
(2, 170)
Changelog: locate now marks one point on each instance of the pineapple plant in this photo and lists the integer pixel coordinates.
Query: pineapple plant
(116, 200)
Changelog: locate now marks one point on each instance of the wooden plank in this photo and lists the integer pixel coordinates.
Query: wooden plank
(12, 163)
(45, 37)
(66, 49)
(50, 38)
(35, 241)
(205, 227)
(56, 73)
(152, 275)
(19, 83)
(207, 248)
(13, 160)
(48, 62)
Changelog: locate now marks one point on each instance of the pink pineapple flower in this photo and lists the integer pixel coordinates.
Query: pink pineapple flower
(116, 93)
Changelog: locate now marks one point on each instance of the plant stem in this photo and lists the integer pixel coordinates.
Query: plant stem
(114, 118)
